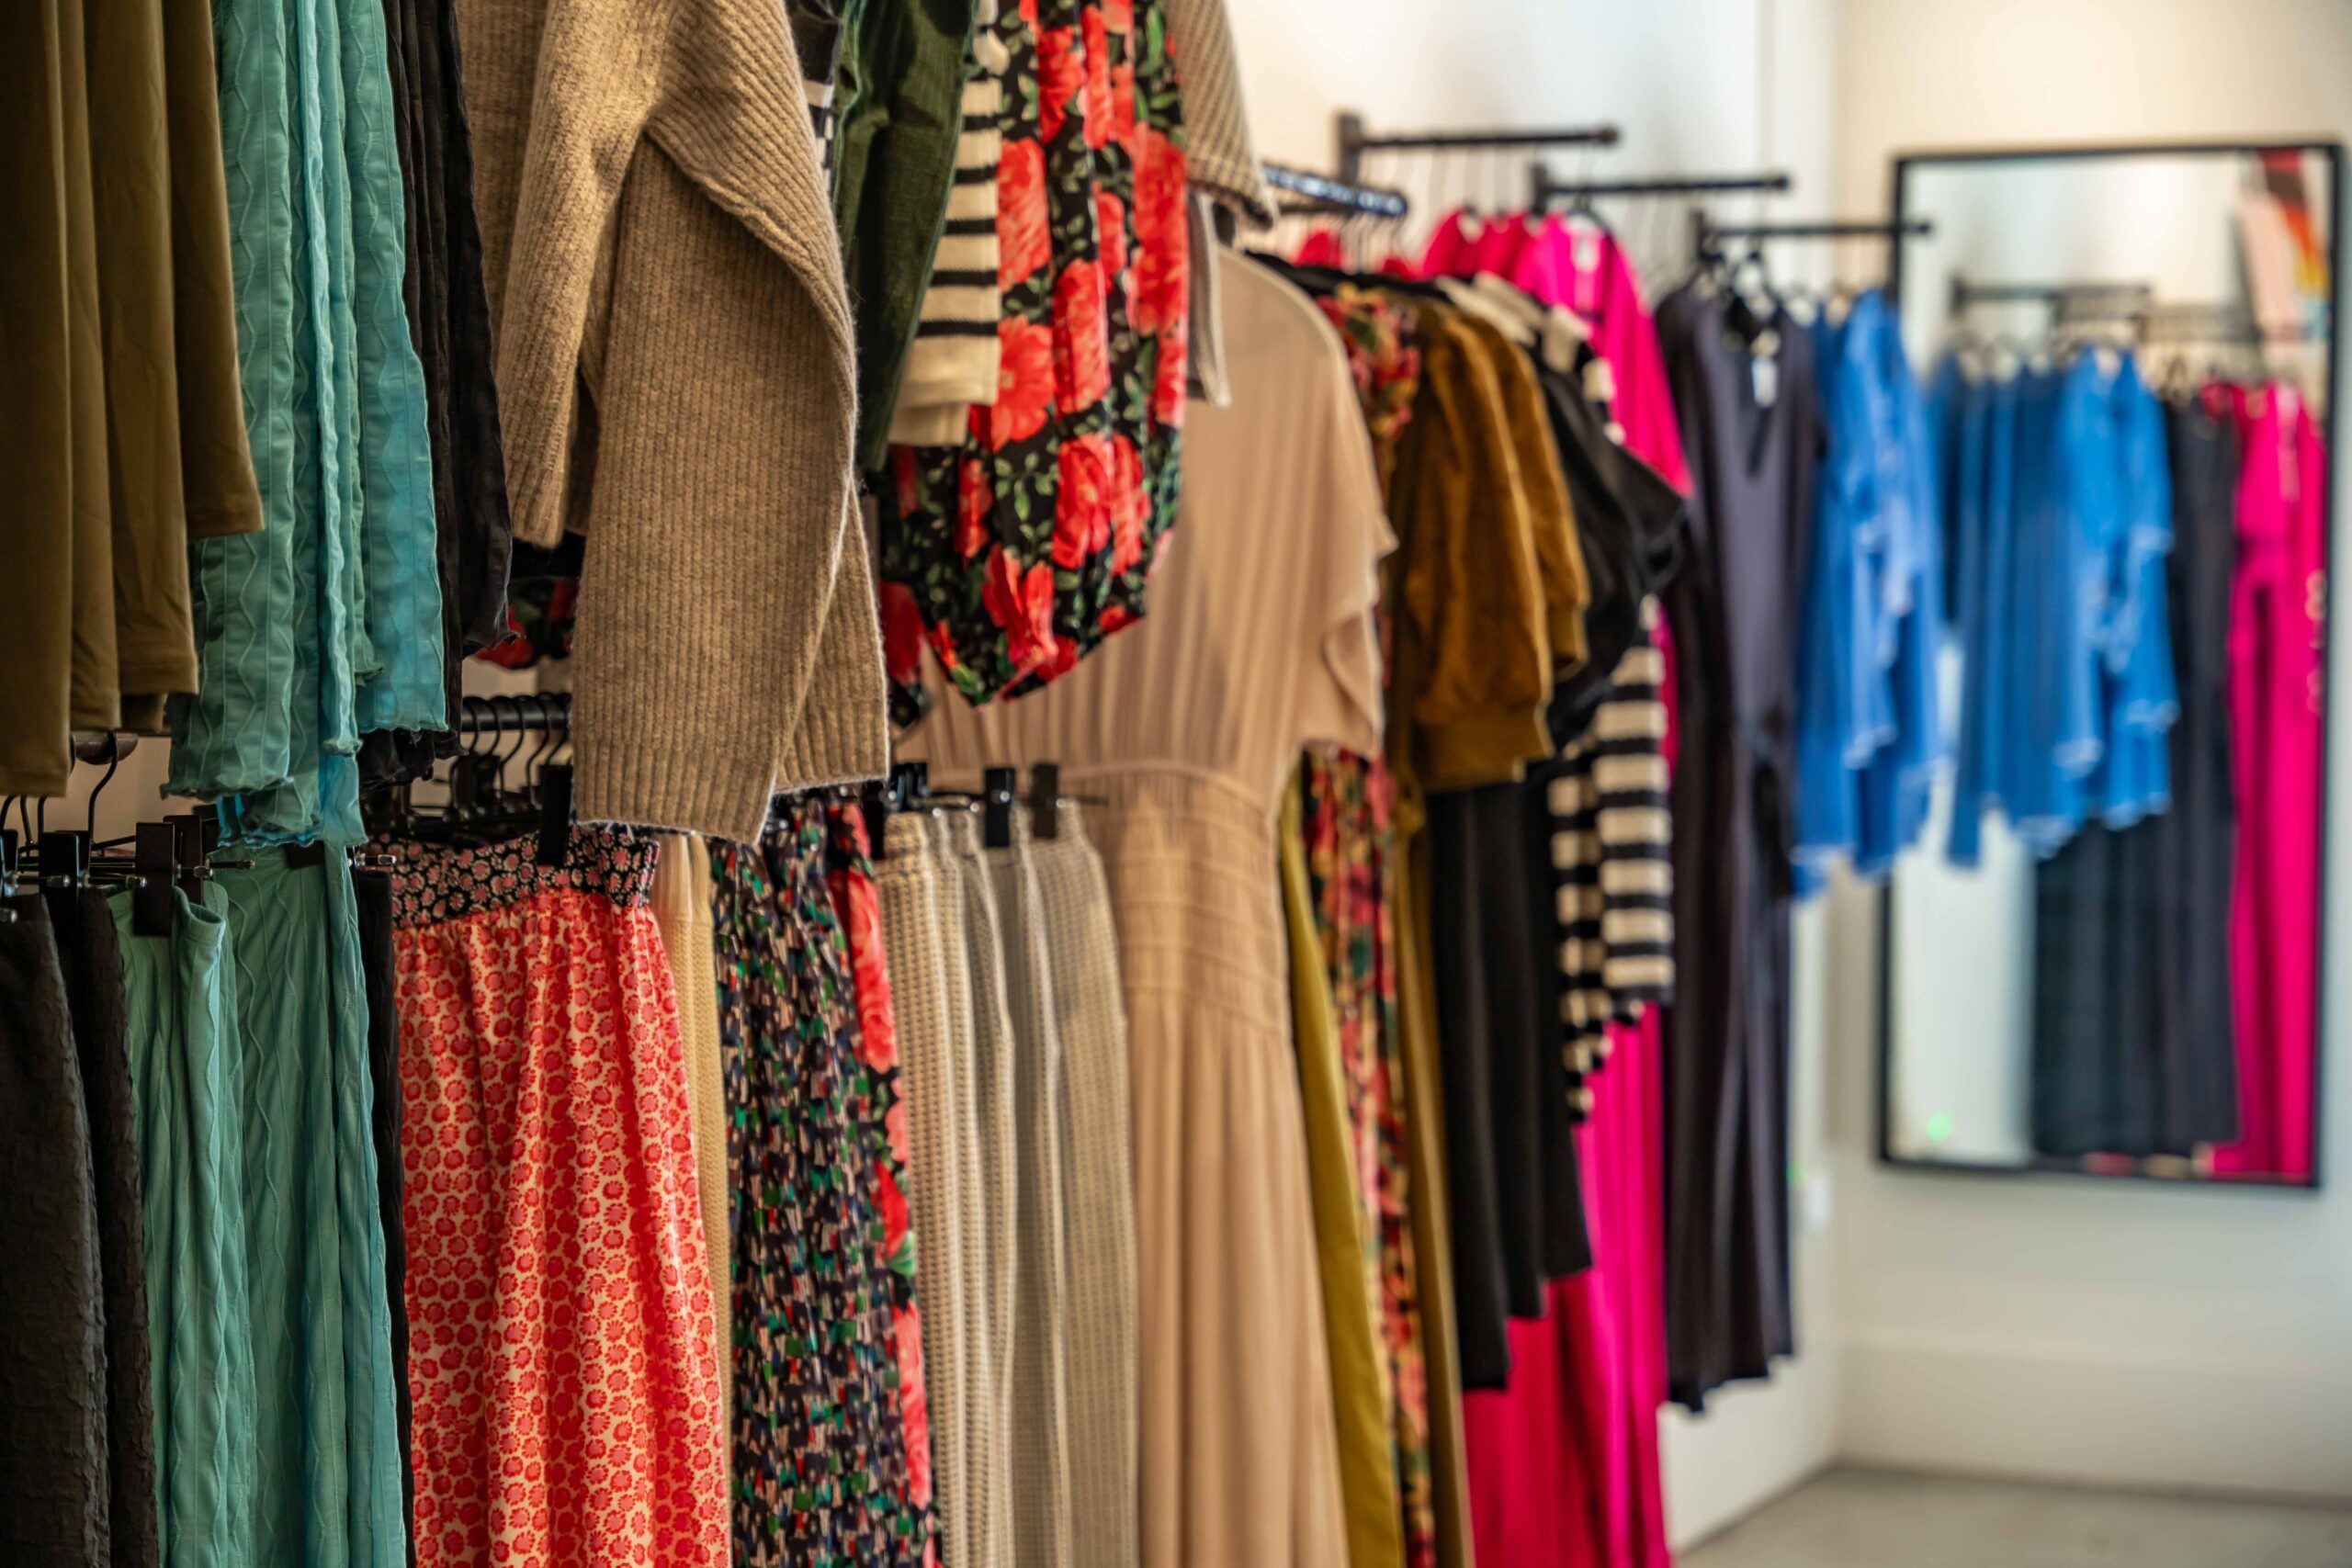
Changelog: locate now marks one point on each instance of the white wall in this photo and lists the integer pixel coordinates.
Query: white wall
(1697, 86)
(2050, 1326)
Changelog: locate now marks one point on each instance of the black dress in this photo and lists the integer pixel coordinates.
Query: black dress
(2135, 1043)
(1744, 390)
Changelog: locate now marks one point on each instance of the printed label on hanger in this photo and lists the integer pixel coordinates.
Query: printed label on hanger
(1588, 251)
(1765, 370)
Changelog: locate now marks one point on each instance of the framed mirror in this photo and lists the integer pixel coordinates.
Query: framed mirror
(2103, 956)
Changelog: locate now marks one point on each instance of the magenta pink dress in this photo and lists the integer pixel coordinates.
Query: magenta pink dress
(1564, 1465)
(2278, 705)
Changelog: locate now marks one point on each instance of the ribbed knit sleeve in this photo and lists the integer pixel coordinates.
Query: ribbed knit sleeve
(726, 645)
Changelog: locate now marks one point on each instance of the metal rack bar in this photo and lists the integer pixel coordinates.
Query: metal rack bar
(2061, 296)
(1356, 141)
(1824, 229)
(1320, 193)
(1546, 191)
(523, 713)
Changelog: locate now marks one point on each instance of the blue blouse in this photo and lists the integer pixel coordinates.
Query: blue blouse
(2061, 500)
(1869, 736)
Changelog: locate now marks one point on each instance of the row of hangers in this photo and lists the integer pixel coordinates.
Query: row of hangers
(486, 801)
(2185, 342)
(907, 789)
(172, 854)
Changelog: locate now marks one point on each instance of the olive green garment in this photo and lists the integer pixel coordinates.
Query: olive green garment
(57, 655)
(124, 427)
(216, 460)
(899, 98)
(1360, 1393)
(132, 189)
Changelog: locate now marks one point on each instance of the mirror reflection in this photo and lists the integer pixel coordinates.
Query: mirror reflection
(2102, 953)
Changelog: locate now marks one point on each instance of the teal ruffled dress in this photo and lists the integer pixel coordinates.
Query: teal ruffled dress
(326, 624)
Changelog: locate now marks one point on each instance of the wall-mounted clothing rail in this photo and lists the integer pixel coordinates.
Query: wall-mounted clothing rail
(2073, 296)
(1356, 141)
(1321, 193)
(1823, 229)
(1545, 191)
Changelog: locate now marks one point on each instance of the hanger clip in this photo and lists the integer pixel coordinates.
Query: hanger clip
(1046, 801)
(155, 852)
(64, 859)
(554, 815)
(997, 787)
(874, 804)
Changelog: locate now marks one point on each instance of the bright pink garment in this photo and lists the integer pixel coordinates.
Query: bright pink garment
(1586, 271)
(2277, 641)
(1563, 1463)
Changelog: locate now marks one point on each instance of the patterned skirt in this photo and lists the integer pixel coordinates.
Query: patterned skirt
(820, 1458)
(560, 1347)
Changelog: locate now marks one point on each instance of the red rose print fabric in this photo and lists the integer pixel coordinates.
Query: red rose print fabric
(1015, 554)
(560, 1336)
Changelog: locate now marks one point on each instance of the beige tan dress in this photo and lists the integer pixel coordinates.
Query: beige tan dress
(1259, 639)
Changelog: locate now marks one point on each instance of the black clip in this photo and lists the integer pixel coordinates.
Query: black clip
(64, 859)
(555, 814)
(190, 854)
(302, 857)
(874, 804)
(154, 855)
(1046, 801)
(997, 787)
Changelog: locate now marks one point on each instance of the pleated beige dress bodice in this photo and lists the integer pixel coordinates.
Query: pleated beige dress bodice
(1260, 640)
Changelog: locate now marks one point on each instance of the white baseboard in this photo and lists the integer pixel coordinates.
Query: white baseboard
(2115, 1419)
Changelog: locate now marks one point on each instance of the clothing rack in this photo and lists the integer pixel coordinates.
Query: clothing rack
(2178, 320)
(1323, 194)
(1356, 141)
(1709, 231)
(2064, 297)
(1546, 192)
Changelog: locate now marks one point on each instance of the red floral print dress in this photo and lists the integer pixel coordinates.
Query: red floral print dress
(1016, 553)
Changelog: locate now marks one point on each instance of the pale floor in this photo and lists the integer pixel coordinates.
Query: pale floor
(1861, 1518)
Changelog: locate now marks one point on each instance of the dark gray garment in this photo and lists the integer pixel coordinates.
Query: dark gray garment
(1733, 611)
(2134, 1042)
(372, 892)
(91, 955)
(54, 1498)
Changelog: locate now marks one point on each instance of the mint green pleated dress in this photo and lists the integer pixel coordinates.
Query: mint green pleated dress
(327, 1491)
(189, 1099)
(326, 624)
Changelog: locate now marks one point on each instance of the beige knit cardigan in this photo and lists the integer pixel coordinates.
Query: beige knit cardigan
(676, 381)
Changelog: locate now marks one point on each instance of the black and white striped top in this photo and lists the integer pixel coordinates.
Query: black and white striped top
(1611, 846)
(817, 39)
